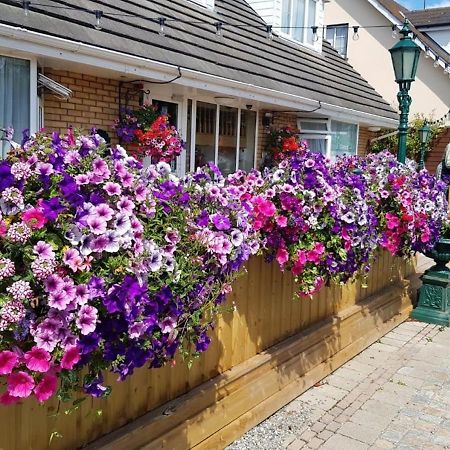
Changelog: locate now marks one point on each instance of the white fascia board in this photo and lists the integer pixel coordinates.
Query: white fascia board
(39, 44)
(381, 9)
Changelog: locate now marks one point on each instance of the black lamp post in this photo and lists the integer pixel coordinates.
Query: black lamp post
(405, 57)
(424, 132)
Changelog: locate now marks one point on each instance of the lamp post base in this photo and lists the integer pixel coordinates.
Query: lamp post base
(434, 297)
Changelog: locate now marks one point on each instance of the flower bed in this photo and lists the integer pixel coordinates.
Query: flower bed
(109, 267)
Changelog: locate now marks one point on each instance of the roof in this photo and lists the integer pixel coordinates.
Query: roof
(432, 17)
(243, 53)
(400, 12)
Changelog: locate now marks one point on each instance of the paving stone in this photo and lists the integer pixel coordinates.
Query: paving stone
(392, 436)
(383, 444)
(325, 434)
(333, 426)
(364, 433)
(318, 427)
(298, 444)
(341, 382)
(327, 390)
(378, 407)
(314, 443)
(363, 417)
(339, 442)
(393, 395)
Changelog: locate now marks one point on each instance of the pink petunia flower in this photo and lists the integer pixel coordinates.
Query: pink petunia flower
(281, 221)
(46, 388)
(8, 360)
(7, 399)
(20, 384)
(282, 256)
(37, 359)
(34, 218)
(71, 357)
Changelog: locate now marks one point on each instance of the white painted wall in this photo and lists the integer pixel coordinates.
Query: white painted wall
(370, 56)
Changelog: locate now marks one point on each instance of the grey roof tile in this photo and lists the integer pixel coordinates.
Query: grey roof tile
(242, 54)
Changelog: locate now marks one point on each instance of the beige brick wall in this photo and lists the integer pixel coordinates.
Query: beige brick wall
(280, 120)
(363, 140)
(95, 103)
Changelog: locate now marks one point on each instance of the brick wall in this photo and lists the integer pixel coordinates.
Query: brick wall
(364, 138)
(94, 103)
(434, 157)
(280, 120)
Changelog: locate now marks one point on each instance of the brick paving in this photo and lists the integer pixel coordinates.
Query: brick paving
(393, 395)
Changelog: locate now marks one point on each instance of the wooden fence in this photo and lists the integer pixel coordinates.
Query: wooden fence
(275, 346)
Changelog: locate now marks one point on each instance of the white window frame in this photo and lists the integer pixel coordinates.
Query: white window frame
(324, 134)
(34, 102)
(305, 25)
(181, 124)
(216, 136)
(333, 42)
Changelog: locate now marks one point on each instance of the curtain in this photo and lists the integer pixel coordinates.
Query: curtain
(343, 138)
(14, 97)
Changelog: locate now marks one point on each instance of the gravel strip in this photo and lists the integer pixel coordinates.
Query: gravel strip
(278, 430)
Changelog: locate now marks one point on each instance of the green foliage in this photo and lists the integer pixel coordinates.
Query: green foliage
(413, 142)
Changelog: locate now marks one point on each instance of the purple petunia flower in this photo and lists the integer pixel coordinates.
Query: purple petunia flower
(221, 222)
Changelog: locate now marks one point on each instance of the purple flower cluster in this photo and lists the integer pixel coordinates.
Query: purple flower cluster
(124, 266)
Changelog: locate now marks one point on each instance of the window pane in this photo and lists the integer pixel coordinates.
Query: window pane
(330, 35)
(317, 145)
(341, 40)
(311, 20)
(14, 97)
(298, 19)
(247, 140)
(286, 15)
(227, 139)
(313, 126)
(343, 138)
(205, 137)
(338, 37)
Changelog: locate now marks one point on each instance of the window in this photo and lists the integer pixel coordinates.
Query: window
(14, 97)
(337, 36)
(329, 137)
(223, 135)
(297, 18)
(344, 137)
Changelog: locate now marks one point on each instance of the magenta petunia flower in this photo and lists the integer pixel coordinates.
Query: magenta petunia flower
(71, 357)
(34, 218)
(20, 384)
(8, 360)
(37, 359)
(282, 256)
(46, 388)
(6, 399)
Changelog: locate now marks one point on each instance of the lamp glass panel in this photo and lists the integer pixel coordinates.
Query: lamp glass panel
(408, 64)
